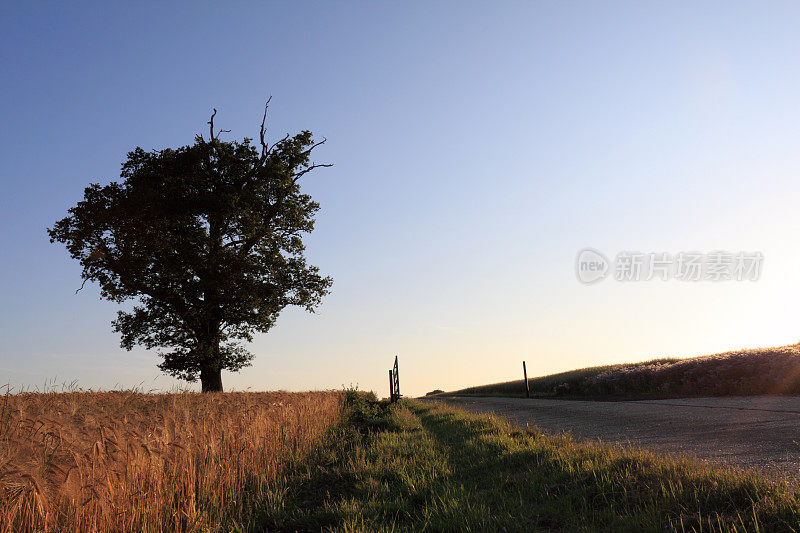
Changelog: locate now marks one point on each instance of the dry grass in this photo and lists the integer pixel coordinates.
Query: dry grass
(127, 461)
(735, 373)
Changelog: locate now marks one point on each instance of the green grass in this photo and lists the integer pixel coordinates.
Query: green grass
(417, 466)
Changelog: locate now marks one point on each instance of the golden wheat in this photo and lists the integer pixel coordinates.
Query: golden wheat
(128, 461)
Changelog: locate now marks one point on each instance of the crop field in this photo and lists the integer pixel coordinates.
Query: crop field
(328, 461)
(126, 461)
(735, 373)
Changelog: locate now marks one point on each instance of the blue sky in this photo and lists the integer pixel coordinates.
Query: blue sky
(476, 147)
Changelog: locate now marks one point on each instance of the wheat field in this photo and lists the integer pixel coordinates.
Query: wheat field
(130, 461)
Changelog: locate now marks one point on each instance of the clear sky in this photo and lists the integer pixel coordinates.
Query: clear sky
(477, 148)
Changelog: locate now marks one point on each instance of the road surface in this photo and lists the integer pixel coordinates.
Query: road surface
(758, 432)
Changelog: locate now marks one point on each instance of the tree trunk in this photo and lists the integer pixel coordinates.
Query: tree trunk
(211, 378)
(211, 363)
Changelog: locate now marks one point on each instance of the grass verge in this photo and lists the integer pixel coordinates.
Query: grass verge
(424, 466)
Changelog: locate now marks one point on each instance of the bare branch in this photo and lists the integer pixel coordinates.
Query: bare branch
(309, 169)
(211, 123)
(271, 148)
(82, 284)
(315, 145)
(263, 130)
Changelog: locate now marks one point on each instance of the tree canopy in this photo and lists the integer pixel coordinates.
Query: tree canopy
(207, 240)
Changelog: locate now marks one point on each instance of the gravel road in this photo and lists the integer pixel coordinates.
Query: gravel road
(760, 432)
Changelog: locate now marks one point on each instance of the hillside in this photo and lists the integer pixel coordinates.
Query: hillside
(735, 373)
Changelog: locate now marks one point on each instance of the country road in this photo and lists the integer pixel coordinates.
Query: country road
(760, 432)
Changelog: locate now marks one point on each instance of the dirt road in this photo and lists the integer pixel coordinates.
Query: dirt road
(761, 432)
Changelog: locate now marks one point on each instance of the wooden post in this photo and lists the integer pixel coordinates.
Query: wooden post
(527, 388)
(396, 379)
(391, 387)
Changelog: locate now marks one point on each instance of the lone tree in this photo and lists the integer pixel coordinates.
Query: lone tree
(207, 240)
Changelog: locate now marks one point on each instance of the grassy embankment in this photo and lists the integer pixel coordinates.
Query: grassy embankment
(736, 373)
(420, 466)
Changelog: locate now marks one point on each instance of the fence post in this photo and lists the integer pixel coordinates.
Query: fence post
(527, 387)
(396, 379)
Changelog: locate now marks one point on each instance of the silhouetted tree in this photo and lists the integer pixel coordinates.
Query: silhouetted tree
(207, 240)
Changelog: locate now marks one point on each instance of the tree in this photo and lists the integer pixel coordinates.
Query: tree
(206, 240)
